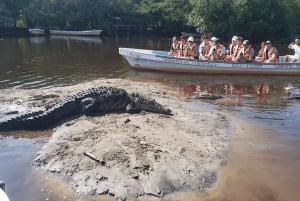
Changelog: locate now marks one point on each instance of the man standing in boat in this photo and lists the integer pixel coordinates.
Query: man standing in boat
(296, 47)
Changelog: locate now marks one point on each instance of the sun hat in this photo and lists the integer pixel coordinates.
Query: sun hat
(268, 42)
(235, 38)
(191, 39)
(246, 42)
(213, 38)
(216, 40)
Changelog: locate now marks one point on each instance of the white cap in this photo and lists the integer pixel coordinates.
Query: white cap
(235, 38)
(213, 38)
(191, 38)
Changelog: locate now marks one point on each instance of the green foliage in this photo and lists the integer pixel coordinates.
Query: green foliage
(259, 20)
(6, 19)
(211, 15)
(167, 15)
(253, 19)
(292, 8)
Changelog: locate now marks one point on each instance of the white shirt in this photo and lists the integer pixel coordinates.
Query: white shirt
(296, 48)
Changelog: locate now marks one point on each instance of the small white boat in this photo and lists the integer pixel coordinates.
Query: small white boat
(93, 32)
(160, 61)
(37, 32)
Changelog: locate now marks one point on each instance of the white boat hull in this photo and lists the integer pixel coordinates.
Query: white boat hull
(76, 33)
(159, 60)
(3, 196)
(37, 32)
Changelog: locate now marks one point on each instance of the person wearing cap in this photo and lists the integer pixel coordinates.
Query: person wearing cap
(296, 47)
(174, 47)
(246, 53)
(230, 51)
(204, 48)
(270, 53)
(213, 38)
(217, 51)
(182, 47)
(192, 50)
(237, 48)
(260, 56)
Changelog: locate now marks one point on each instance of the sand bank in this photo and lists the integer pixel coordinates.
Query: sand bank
(143, 154)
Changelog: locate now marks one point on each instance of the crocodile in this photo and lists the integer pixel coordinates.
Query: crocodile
(89, 102)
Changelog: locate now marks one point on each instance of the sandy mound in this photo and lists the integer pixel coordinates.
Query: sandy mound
(140, 154)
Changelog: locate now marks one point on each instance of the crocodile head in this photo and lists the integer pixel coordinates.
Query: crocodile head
(145, 104)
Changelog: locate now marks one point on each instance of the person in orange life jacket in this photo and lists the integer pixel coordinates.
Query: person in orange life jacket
(296, 47)
(217, 51)
(270, 53)
(204, 48)
(230, 51)
(237, 48)
(182, 47)
(260, 56)
(246, 54)
(174, 47)
(192, 48)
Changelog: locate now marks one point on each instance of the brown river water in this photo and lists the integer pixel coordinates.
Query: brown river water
(263, 160)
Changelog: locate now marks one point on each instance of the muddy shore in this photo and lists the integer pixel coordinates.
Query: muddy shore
(143, 154)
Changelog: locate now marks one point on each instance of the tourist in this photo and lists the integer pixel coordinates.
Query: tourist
(192, 50)
(270, 53)
(246, 53)
(237, 48)
(260, 56)
(182, 47)
(296, 47)
(204, 48)
(174, 47)
(230, 51)
(217, 51)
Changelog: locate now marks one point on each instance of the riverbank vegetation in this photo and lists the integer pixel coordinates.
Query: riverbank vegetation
(255, 19)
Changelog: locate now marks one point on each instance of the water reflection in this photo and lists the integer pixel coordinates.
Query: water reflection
(84, 39)
(44, 62)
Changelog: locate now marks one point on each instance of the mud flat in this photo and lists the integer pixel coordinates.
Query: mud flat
(140, 155)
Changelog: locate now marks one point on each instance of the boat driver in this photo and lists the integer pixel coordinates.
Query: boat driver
(296, 47)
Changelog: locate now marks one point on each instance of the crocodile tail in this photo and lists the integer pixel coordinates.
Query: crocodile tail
(19, 122)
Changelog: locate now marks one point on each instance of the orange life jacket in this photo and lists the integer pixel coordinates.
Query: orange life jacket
(175, 47)
(182, 49)
(231, 49)
(246, 52)
(236, 50)
(190, 51)
(269, 54)
(261, 52)
(205, 48)
(218, 53)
